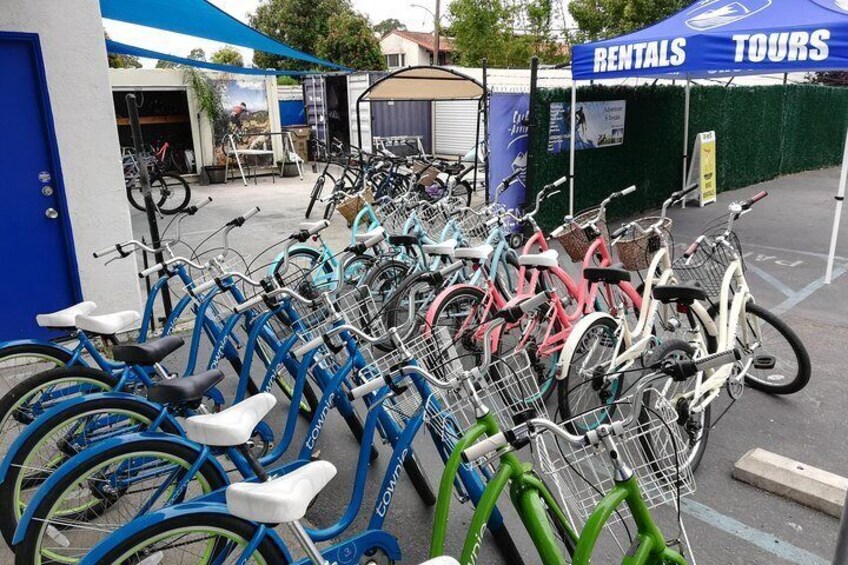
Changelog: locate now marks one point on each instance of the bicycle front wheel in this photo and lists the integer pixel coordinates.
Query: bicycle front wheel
(783, 361)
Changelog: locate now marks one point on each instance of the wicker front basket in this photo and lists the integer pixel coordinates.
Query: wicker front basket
(574, 240)
(350, 207)
(636, 249)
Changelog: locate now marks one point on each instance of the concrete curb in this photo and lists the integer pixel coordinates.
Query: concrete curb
(791, 479)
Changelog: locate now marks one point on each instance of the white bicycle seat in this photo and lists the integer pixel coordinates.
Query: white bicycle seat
(479, 253)
(365, 236)
(445, 248)
(230, 427)
(282, 499)
(107, 324)
(441, 560)
(549, 258)
(65, 318)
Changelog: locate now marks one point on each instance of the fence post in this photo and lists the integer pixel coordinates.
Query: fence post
(530, 173)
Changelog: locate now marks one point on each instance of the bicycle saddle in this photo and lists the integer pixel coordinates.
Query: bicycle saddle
(478, 253)
(65, 318)
(546, 259)
(441, 560)
(445, 248)
(231, 427)
(283, 499)
(148, 353)
(610, 275)
(185, 390)
(107, 324)
(403, 240)
(685, 293)
(365, 236)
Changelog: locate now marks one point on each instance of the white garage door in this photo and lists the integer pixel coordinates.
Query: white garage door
(455, 126)
(356, 85)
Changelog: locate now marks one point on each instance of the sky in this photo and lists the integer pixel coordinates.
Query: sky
(416, 19)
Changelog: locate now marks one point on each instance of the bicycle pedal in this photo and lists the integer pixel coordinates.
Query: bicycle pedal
(765, 362)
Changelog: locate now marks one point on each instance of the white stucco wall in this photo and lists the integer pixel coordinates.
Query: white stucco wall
(71, 37)
(415, 54)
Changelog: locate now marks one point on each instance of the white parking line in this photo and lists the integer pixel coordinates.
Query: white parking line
(772, 280)
(805, 292)
(763, 540)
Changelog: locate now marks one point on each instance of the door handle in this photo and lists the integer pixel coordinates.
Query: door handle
(51, 213)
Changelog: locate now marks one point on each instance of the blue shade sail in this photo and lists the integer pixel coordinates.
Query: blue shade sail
(123, 49)
(724, 38)
(201, 19)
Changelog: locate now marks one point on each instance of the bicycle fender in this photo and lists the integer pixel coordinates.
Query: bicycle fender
(67, 405)
(61, 476)
(42, 343)
(99, 552)
(574, 338)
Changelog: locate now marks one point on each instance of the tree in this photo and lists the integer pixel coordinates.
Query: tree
(121, 61)
(160, 64)
(388, 25)
(830, 78)
(227, 55)
(602, 19)
(197, 54)
(351, 42)
(298, 23)
(506, 32)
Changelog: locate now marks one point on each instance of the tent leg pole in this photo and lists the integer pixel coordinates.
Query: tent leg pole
(840, 197)
(573, 145)
(686, 103)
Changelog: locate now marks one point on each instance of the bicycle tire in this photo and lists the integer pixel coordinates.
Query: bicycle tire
(384, 279)
(204, 522)
(607, 391)
(136, 198)
(15, 357)
(175, 190)
(397, 306)
(23, 392)
(462, 190)
(317, 188)
(802, 357)
(695, 456)
(46, 428)
(468, 350)
(37, 529)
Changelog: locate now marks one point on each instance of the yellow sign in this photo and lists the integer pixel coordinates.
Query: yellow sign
(708, 167)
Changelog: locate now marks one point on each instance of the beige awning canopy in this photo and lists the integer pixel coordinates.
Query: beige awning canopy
(424, 83)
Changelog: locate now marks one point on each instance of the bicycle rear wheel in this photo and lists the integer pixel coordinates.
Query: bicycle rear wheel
(174, 190)
(66, 524)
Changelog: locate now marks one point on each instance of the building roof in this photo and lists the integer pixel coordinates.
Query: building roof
(425, 39)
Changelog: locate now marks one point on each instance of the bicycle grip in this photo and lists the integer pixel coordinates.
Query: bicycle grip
(371, 386)
(484, 447)
(757, 197)
(203, 287)
(322, 225)
(692, 248)
(309, 346)
(559, 182)
(106, 251)
(151, 270)
(249, 303)
(252, 212)
(380, 237)
(202, 204)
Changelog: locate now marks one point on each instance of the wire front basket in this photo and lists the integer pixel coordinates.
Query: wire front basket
(636, 248)
(652, 446)
(510, 389)
(474, 229)
(709, 263)
(392, 215)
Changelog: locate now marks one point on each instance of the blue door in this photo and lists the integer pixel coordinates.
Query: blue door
(36, 254)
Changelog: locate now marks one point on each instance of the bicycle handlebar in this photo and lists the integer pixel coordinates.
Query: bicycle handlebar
(322, 339)
(167, 263)
(217, 281)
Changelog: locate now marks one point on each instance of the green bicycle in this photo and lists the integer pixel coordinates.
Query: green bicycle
(644, 470)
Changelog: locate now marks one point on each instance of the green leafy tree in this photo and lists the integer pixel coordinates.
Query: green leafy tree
(388, 25)
(121, 61)
(197, 54)
(227, 55)
(160, 64)
(506, 32)
(298, 23)
(602, 19)
(351, 42)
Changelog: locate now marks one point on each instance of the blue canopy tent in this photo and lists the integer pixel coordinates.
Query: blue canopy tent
(199, 18)
(715, 38)
(117, 48)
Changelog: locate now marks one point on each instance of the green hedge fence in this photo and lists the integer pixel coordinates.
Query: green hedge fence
(762, 132)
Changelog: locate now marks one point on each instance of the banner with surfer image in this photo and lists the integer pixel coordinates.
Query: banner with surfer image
(597, 125)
